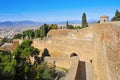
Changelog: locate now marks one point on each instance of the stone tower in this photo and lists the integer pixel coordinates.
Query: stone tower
(104, 19)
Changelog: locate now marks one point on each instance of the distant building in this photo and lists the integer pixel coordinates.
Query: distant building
(10, 46)
(61, 26)
(104, 19)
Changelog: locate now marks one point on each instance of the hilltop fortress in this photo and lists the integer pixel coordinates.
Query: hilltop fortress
(91, 53)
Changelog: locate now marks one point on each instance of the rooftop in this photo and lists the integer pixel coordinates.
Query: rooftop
(104, 16)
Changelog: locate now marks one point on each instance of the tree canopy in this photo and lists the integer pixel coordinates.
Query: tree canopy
(69, 26)
(117, 16)
(40, 71)
(38, 33)
(7, 65)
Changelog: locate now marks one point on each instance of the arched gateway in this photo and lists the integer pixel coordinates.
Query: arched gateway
(73, 54)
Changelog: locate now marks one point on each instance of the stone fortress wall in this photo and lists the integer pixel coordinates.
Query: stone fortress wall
(98, 46)
(59, 62)
(10, 46)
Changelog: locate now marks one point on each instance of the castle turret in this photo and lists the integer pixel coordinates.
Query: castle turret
(104, 19)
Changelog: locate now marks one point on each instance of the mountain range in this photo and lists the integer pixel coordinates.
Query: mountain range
(18, 23)
(32, 23)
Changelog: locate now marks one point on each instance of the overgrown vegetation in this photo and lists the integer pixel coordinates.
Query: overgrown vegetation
(38, 33)
(18, 65)
(7, 65)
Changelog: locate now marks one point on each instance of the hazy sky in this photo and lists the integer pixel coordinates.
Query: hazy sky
(56, 10)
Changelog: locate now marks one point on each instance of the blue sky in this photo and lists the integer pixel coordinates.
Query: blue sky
(56, 10)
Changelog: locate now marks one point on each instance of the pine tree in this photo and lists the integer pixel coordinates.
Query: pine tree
(117, 13)
(84, 21)
(117, 16)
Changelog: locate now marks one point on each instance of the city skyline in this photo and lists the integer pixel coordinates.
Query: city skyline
(54, 10)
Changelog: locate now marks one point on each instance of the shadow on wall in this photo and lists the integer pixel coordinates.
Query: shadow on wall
(73, 54)
(81, 70)
(45, 53)
(39, 60)
(81, 74)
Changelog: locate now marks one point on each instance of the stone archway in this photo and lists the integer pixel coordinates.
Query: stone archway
(81, 66)
(73, 54)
